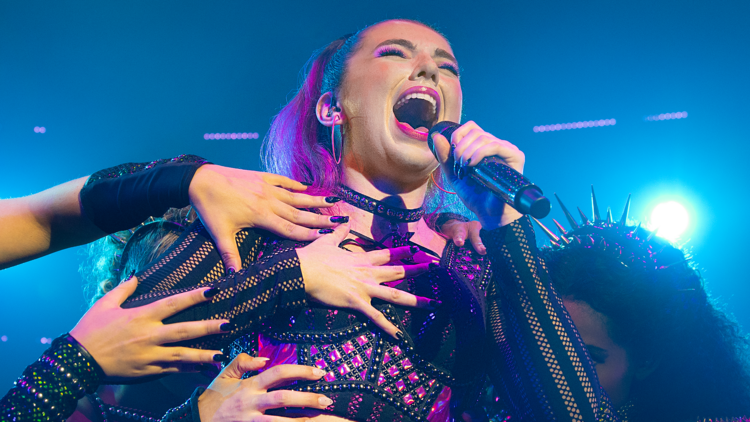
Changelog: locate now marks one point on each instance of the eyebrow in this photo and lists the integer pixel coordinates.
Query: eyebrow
(439, 52)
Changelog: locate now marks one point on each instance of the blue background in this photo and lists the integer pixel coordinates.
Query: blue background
(139, 80)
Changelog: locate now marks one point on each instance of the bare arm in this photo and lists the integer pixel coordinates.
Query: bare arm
(43, 223)
(226, 199)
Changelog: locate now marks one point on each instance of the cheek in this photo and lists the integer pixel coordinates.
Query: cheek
(453, 102)
(614, 377)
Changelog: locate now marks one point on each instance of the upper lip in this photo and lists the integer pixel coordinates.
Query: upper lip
(430, 92)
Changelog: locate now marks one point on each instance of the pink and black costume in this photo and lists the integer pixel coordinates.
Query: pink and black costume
(503, 320)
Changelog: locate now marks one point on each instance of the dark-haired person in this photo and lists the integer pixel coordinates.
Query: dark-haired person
(357, 128)
(663, 350)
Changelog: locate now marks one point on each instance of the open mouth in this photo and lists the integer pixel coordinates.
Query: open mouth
(416, 111)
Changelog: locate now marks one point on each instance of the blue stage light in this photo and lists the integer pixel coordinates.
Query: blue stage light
(670, 220)
(575, 125)
(243, 135)
(667, 116)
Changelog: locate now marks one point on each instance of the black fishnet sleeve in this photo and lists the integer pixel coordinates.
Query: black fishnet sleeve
(539, 359)
(121, 197)
(266, 286)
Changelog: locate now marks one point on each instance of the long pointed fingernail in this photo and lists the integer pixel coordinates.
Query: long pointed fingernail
(413, 249)
(332, 199)
(230, 271)
(325, 231)
(306, 183)
(227, 327)
(219, 357)
(434, 265)
(318, 372)
(400, 335)
(325, 401)
(339, 219)
(208, 294)
(434, 303)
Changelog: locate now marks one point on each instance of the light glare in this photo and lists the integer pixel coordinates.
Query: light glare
(670, 219)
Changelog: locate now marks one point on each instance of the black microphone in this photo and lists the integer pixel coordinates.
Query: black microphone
(492, 173)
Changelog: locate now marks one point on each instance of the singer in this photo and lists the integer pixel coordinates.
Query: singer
(357, 129)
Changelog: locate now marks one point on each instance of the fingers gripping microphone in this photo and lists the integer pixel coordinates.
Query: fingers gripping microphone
(492, 173)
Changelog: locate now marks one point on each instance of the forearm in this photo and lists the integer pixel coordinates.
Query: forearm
(49, 388)
(88, 208)
(535, 341)
(43, 223)
(248, 298)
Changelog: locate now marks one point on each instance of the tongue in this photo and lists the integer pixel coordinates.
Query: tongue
(417, 113)
(418, 129)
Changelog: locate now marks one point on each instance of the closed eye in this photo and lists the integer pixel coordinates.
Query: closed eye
(390, 51)
(598, 355)
(450, 68)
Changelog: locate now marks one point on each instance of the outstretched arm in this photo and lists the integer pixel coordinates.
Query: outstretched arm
(43, 223)
(121, 197)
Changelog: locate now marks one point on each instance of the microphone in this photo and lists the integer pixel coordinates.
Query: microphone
(492, 173)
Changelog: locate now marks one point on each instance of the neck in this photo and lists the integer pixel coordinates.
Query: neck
(392, 194)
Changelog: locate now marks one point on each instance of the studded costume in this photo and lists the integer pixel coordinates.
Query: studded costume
(512, 322)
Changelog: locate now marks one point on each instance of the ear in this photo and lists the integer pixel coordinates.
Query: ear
(329, 114)
(646, 368)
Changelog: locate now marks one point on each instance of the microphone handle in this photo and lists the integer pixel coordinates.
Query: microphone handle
(504, 182)
(510, 186)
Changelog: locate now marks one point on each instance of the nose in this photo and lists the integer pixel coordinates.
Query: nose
(426, 69)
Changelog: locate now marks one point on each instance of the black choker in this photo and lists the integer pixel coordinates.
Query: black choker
(376, 207)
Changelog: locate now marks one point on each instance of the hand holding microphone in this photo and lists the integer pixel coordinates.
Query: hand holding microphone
(468, 153)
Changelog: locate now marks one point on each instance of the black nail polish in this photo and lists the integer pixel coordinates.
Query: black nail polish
(325, 231)
(413, 249)
(307, 183)
(132, 273)
(230, 272)
(434, 265)
(211, 292)
(332, 199)
(400, 335)
(226, 327)
(219, 357)
(340, 219)
(434, 303)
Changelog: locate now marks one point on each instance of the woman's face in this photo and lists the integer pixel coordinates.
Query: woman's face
(613, 366)
(402, 79)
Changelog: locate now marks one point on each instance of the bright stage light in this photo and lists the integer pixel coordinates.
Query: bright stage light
(670, 219)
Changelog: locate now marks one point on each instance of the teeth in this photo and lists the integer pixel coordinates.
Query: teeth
(421, 96)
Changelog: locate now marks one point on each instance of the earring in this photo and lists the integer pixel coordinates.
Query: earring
(432, 175)
(336, 141)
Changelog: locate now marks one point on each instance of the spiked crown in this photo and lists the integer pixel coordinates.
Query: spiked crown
(632, 245)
